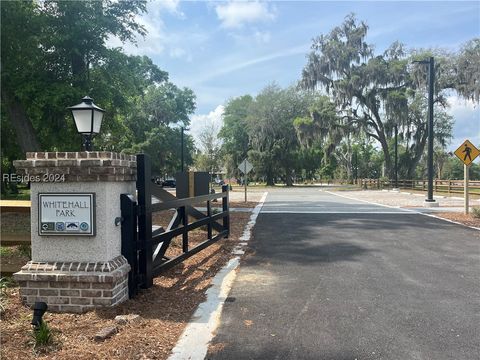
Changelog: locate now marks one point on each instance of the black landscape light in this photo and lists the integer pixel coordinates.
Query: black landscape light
(39, 309)
(88, 119)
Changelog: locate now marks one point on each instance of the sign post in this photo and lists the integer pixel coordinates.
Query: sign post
(467, 152)
(245, 182)
(465, 188)
(245, 167)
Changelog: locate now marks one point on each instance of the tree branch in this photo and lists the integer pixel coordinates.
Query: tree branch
(372, 135)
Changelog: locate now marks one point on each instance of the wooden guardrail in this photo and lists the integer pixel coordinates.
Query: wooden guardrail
(12, 265)
(445, 186)
(14, 206)
(8, 268)
(18, 206)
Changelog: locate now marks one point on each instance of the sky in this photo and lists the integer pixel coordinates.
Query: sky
(226, 49)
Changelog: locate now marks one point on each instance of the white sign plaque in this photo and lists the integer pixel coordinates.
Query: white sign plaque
(66, 214)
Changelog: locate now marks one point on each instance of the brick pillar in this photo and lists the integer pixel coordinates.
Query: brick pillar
(78, 273)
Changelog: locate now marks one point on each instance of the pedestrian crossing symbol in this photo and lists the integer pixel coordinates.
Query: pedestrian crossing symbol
(467, 152)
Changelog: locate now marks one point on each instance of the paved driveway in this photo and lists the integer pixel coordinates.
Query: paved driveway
(333, 278)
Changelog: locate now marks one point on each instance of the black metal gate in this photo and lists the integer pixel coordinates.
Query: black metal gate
(145, 247)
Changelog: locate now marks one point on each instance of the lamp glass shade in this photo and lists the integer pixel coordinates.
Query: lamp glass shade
(97, 120)
(83, 120)
(88, 116)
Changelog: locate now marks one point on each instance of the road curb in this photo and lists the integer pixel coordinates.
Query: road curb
(194, 341)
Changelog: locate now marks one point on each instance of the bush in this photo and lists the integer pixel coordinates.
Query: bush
(6, 251)
(4, 284)
(25, 250)
(476, 212)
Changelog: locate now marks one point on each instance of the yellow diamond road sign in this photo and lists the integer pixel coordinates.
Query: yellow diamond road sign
(467, 152)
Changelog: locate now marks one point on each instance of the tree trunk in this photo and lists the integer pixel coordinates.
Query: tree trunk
(269, 174)
(288, 177)
(417, 156)
(349, 160)
(386, 153)
(26, 137)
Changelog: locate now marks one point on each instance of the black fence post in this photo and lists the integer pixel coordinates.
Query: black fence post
(226, 219)
(185, 229)
(209, 214)
(144, 174)
(129, 240)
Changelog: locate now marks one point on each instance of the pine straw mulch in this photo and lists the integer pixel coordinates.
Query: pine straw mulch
(243, 204)
(165, 309)
(468, 220)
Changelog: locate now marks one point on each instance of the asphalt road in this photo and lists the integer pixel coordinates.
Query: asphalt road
(333, 278)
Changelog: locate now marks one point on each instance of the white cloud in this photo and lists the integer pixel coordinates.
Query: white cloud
(230, 65)
(262, 37)
(467, 121)
(180, 53)
(172, 6)
(235, 14)
(158, 40)
(200, 121)
(248, 39)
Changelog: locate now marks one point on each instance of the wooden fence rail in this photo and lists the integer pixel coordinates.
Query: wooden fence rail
(445, 186)
(15, 206)
(12, 265)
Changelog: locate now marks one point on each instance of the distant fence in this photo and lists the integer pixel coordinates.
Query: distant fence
(15, 206)
(12, 265)
(445, 186)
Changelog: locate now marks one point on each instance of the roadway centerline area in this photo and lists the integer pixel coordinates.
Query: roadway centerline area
(313, 201)
(351, 280)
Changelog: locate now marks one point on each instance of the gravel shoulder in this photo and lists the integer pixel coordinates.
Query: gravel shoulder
(450, 208)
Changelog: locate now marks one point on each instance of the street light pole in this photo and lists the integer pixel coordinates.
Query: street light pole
(431, 81)
(429, 201)
(181, 142)
(396, 155)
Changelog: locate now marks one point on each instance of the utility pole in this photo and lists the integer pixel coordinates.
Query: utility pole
(431, 80)
(182, 129)
(396, 155)
(181, 152)
(429, 201)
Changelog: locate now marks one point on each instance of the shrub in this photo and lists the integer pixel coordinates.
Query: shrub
(25, 250)
(42, 335)
(476, 212)
(6, 251)
(4, 284)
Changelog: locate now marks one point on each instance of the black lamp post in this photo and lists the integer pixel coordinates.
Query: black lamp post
(431, 80)
(182, 144)
(182, 156)
(88, 119)
(396, 155)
